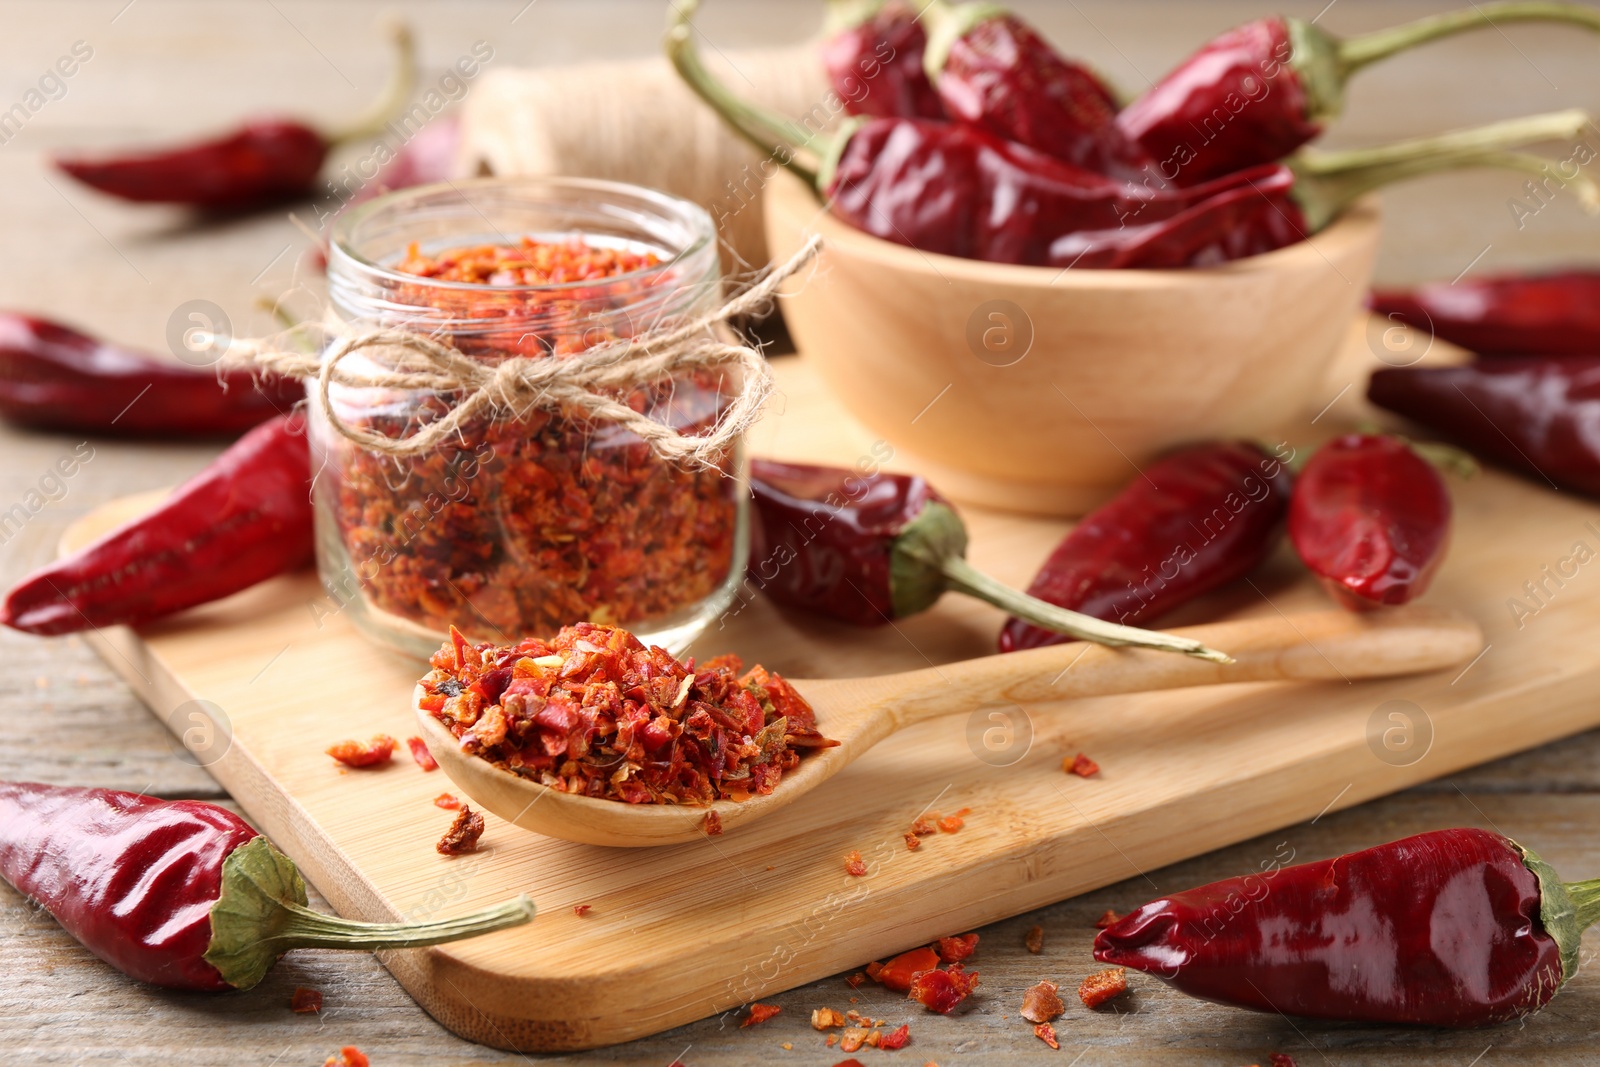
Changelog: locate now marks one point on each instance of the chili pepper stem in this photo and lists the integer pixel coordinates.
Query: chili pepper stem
(968, 579)
(848, 14)
(770, 133)
(1358, 52)
(392, 99)
(946, 25)
(261, 914)
(1327, 182)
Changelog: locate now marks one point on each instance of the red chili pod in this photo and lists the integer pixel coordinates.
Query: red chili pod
(1192, 522)
(1450, 928)
(54, 378)
(183, 894)
(244, 518)
(1258, 92)
(872, 50)
(1556, 314)
(1371, 519)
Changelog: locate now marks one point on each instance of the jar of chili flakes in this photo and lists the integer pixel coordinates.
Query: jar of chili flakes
(526, 521)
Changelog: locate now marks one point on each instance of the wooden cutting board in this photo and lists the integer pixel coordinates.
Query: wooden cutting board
(260, 684)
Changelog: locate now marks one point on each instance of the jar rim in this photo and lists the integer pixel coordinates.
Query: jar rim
(676, 208)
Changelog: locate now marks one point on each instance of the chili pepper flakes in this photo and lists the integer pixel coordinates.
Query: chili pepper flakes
(825, 1019)
(305, 1001)
(1041, 1002)
(925, 825)
(854, 866)
(420, 753)
(898, 972)
(527, 523)
(896, 1038)
(595, 712)
(956, 949)
(372, 753)
(1047, 1033)
(852, 1039)
(1033, 940)
(913, 842)
(951, 823)
(1102, 986)
(1109, 919)
(1081, 765)
(448, 801)
(855, 980)
(463, 833)
(940, 991)
(851, 1062)
(349, 1056)
(711, 824)
(580, 910)
(760, 1013)
(1282, 1059)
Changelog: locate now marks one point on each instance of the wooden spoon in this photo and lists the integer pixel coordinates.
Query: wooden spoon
(860, 712)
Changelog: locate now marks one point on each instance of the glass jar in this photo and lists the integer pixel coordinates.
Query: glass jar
(531, 520)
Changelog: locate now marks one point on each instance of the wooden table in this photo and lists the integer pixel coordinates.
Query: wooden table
(161, 68)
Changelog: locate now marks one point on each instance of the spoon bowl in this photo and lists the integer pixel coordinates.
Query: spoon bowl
(860, 712)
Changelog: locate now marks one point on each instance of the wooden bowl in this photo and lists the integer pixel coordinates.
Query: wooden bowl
(1039, 390)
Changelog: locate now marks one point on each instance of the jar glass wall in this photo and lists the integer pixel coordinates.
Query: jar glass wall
(524, 522)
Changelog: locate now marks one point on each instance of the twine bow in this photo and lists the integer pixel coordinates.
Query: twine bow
(586, 382)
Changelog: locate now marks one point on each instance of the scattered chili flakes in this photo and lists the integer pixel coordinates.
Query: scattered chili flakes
(372, 753)
(580, 910)
(854, 866)
(926, 824)
(1047, 1033)
(1081, 765)
(1109, 919)
(898, 972)
(595, 712)
(760, 1013)
(1282, 1059)
(956, 949)
(463, 833)
(349, 1056)
(825, 1019)
(305, 1001)
(941, 991)
(896, 1038)
(1102, 986)
(852, 1039)
(951, 823)
(712, 824)
(1033, 940)
(833, 1039)
(851, 1062)
(913, 842)
(855, 980)
(420, 753)
(1042, 1002)
(447, 801)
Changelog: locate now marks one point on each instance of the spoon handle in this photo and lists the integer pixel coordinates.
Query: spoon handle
(1318, 646)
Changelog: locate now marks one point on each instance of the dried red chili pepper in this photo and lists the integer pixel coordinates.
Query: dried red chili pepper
(941, 991)
(1371, 518)
(374, 753)
(957, 190)
(182, 894)
(1538, 416)
(760, 1013)
(872, 50)
(896, 1038)
(421, 755)
(1556, 314)
(994, 71)
(1102, 986)
(898, 972)
(1260, 91)
(243, 519)
(54, 378)
(265, 161)
(1449, 928)
(1192, 522)
(867, 548)
(595, 712)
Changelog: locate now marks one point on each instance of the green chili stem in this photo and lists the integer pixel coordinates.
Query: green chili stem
(304, 928)
(770, 133)
(396, 91)
(1358, 52)
(1327, 182)
(1586, 899)
(968, 579)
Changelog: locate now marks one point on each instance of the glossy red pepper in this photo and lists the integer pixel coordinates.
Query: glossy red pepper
(1555, 314)
(1449, 928)
(994, 71)
(1197, 519)
(265, 161)
(1262, 90)
(1538, 416)
(244, 518)
(183, 894)
(54, 378)
(873, 54)
(1371, 518)
(958, 190)
(868, 548)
